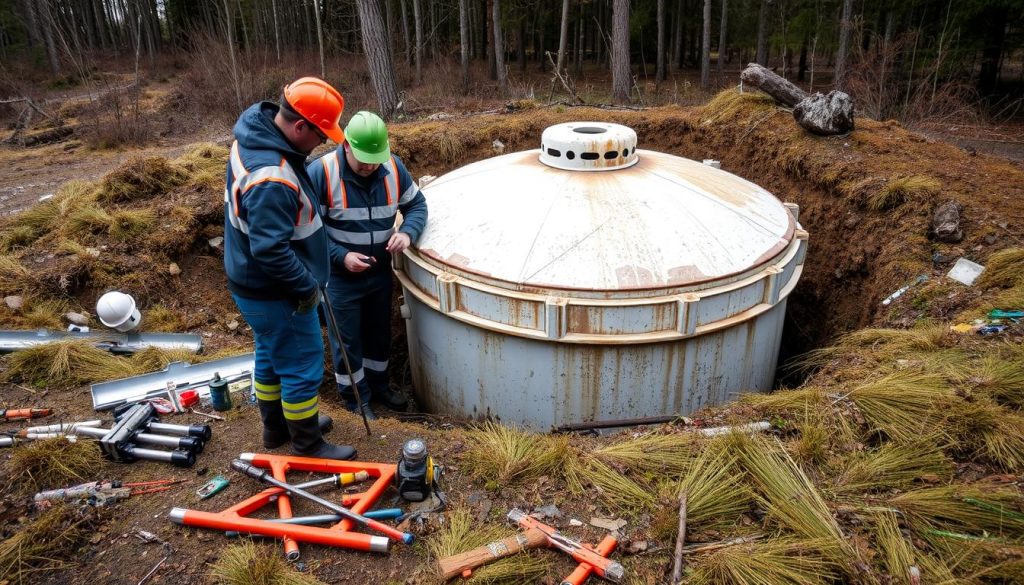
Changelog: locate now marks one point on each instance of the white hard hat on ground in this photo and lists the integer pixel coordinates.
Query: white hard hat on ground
(118, 311)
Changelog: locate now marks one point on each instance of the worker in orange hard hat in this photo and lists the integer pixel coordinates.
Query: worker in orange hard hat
(277, 259)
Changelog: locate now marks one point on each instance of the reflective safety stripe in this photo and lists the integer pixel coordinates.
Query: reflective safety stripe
(362, 213)
(375, 365)
(409, 194)
(344, 380)
(267, 392)
(335, 186)
(360, 238)
(307, 220)
(301, 410)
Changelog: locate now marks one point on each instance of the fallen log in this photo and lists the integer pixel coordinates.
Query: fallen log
(824, 115)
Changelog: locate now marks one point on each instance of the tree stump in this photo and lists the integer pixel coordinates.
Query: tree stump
(824, 115)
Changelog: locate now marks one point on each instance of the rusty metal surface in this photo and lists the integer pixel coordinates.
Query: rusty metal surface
(462, 370)
(664, 222)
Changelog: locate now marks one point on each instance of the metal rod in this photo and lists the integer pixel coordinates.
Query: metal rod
(200, 431)
(177, 457)
(262, 475)
(332, 326)
(385, 514)
(63, 427)
(622, 422)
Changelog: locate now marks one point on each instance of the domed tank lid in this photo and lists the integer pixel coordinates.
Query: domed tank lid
(532, 221)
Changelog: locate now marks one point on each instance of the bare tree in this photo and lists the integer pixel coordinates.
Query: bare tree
(705, 51)
(677, 57)
(722, 46)
(563, 39)
(277, 34)
(762, 33)
(464, 42)
(844, 44)
(418, 25)
(499, 49)
(621, 75)
(659, 74)
(48, 26)
(319, 37)
(229, 24)
(405, 34)
(377, 46)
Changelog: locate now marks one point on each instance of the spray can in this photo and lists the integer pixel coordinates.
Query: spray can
(219, 395)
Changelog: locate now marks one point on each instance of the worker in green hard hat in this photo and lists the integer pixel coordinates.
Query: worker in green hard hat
(364, 186)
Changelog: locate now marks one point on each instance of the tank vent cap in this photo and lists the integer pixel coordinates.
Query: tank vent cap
(588, 146)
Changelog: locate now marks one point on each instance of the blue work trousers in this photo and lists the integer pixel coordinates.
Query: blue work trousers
(362, 308)
(289, 348)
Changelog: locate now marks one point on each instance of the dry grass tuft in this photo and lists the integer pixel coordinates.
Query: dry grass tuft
(128, 224)
(728, 103)
(44, 313)
(1000, 378)
(714, 497)
(900, 190)
(248, 563)
(10, 268)
(504, 455)
(1003, 269)
(787, 401)
(892, 466)
(898, 554)
(903, 405)
(16, 236)
(141, 178)
(53, 463)
(161, 318)
(204, 163)
(655, 453)
(88, 219)
(792, 500)
(63, 364)
(778, 562)
(43, 544)
(979, 509)
(462, 533)
(612, 485)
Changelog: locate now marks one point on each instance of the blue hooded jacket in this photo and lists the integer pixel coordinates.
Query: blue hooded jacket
(275, 246)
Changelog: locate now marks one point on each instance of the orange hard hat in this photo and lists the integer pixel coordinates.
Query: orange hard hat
(315, 100)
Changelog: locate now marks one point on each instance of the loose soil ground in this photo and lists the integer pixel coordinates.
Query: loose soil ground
(857, 256)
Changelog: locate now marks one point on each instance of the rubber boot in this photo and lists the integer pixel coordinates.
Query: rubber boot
(275, 429)
(392, 399)
(308, 441)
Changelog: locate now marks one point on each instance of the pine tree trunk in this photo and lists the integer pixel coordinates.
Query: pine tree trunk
(418, 26)
(464, 43)
(844, 45)
(722, 44)
(762, 34)
(228, 25)
(492, 69)
(705, 51)
(621, 77)
(31, 23)
(521, 50)
(563, 38)
(499, 49)
(47, 25)
(677, 58)
(405, 33)
(580, 41)
(319, 37)
(659, 72)
(377, 46)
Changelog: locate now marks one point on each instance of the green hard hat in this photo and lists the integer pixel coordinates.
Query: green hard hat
(367, 135)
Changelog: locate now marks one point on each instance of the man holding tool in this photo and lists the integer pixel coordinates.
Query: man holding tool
(364, 187)
(276, 257)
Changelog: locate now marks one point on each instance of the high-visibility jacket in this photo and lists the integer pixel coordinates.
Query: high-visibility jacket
(275, 246)
(360, 212)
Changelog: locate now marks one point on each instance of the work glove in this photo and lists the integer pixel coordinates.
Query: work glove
(309, 303)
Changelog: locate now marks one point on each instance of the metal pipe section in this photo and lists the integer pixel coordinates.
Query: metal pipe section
(199, 431)
(370, 523)
(64, 427)
(121, 343)
(385, 514)
(177, 457)
(178, 375)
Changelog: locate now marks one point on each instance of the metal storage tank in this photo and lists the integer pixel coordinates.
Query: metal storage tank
(589, 280)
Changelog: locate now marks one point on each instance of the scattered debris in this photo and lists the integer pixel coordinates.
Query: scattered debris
(213, 487)
(609, 524)
(14, 302)
(215, 242)
(946, 223)
(575, 523)
(889, 299)
(77, 318)
(173, 269)
(965, 271)
(498, 146)
(13, 414)
(547, 511)
(177, 375)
